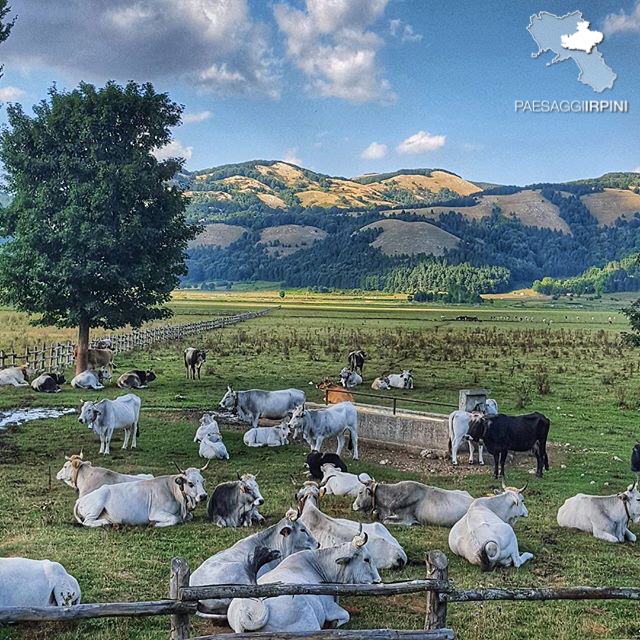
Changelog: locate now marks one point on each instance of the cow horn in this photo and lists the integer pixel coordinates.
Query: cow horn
(178, 468)
(67, 458)
(293, 480)
(361, 480)
(238, 475)
(206, 465)
(81, 454)
(292, 514)
(504, 486)
(523, 488)
(255, 475)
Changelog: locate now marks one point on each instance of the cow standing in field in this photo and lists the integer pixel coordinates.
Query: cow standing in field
(485, 536)
(355, 360)
(48, 382)
(254, 404)
(36, 583)
(316, 425)
(503, 433)
(410, 503)
(106, 416)
(97, 358)
(162, 501)
(15, 376)
(193, 361)
(604, 517)
(459, 427)
(82, 476)
(239, 564)
(635, 458)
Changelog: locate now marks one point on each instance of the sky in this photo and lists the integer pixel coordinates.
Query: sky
(346, 87)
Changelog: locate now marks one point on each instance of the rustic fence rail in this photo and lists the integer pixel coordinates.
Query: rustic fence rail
(58, 355)
(439, 590)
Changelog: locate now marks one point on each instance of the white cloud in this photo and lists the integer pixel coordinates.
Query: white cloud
(636, 170)
(405, 32)
(374, 151)
(291, 156)
(175, 149)
(420, 142)
(583, 39)
(10, 94)
(620, 22)
(330, 42)
(197, 116)
(215, 45)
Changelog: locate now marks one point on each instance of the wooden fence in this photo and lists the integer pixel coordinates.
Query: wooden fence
(58, 355)
(437, 586)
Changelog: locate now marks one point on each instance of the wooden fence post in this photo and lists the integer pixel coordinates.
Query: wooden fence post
(437, 568)
(179, 578)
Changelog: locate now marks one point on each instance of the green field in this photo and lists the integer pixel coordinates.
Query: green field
(564, 360)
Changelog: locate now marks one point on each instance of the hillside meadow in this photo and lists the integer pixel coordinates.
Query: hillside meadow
(563, 360)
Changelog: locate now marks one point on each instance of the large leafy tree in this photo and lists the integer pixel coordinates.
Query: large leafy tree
(98, 232)
(5, 25)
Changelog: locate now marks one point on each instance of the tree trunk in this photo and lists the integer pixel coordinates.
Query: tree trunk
(82, 347)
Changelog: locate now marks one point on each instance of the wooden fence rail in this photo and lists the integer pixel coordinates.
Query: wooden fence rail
(58, 355)
(440, 591)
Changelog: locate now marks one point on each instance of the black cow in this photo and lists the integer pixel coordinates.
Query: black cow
(316, 459)
(136, 379)
(48, 382)
(193, 361)
(635, 458)
(503, 433)
(356, 360)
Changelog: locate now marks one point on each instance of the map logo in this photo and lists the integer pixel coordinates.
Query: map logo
(570, 37)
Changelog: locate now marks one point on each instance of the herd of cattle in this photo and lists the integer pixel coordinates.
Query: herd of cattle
(306, 545)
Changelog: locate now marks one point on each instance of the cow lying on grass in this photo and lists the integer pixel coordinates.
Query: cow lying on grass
(604, 517)
(48, 382)
(235, 504)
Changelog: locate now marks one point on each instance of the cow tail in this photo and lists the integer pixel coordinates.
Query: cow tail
(210, 509)
(350, 445)
(489, 555)
(254, 614)
(450, 443)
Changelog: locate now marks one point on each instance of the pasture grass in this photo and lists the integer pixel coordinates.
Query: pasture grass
(573, 370)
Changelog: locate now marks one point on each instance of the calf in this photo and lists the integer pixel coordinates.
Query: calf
(88, 379)
(136, 379)
(340, 483)
(267, 436)
(604, 517)
(503, 433)
(315, 460)
(48, 382)
(234, 504)
(334, 393)
(349, 379)
(193, 361)
(97, 358)
(381, 384)
(356, 360)
(208, 426)
(459, 422)
(212, 447)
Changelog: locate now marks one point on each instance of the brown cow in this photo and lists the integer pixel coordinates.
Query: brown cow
(98, 358)
(333, 392)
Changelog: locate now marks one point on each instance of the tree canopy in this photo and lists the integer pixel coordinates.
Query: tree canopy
(98, 233)
(5, 25)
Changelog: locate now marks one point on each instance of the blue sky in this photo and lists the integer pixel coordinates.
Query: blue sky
(318, 82)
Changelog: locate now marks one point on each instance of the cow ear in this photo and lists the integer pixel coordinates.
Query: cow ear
(243, 489)
(285, 531)
(497, 491)
(343, 560)
(180, 481)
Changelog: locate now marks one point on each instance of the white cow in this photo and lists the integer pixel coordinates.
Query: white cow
(349, 563)
(240, 564)
(402, 380)
(88, 379)
(350, 379)
(459, 427)
(485, 536)
(162, 501)
(14, 376)
(318, 424)
(81, 475)
(254, 404)
(605, 517)
(340, 483)
(208, 426)
(106, 416)
(36, 583)
(267, 436)
(212, 447)
(386, 550)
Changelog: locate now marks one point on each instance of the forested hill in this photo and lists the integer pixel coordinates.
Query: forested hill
(419, 229)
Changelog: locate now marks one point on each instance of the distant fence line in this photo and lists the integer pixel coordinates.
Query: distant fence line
(59, 355)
